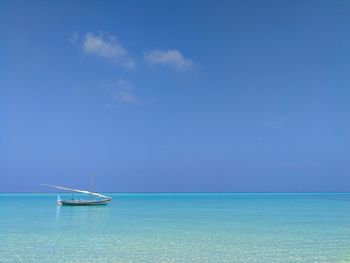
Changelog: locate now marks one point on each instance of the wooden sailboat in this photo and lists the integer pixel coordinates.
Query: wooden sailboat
(101, 200)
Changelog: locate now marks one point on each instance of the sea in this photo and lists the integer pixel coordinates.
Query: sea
(178, 227)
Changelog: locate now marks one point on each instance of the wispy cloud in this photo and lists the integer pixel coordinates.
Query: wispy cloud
(74, 37)
(274, 124)
(107, 46)
(123, 92)
(287, 164)
(171, 58)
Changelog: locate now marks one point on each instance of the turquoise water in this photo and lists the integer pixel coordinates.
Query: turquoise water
(177, 228)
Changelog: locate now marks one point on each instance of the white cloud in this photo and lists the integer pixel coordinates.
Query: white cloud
(123, 92)
(107, 46)
(171, 58)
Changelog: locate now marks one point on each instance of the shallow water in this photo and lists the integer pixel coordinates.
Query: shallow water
(177, 228)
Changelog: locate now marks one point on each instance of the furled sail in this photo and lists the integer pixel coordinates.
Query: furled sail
(77, 190)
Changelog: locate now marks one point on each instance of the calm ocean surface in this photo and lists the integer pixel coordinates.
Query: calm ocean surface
(177, 228)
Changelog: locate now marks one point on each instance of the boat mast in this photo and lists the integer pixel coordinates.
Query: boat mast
(78, 191)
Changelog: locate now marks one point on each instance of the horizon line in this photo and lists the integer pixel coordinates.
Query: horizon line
(194, 192)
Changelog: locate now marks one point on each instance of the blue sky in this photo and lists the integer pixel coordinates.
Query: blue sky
(175, 95)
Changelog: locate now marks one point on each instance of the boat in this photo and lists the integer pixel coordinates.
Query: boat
(101, 200)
